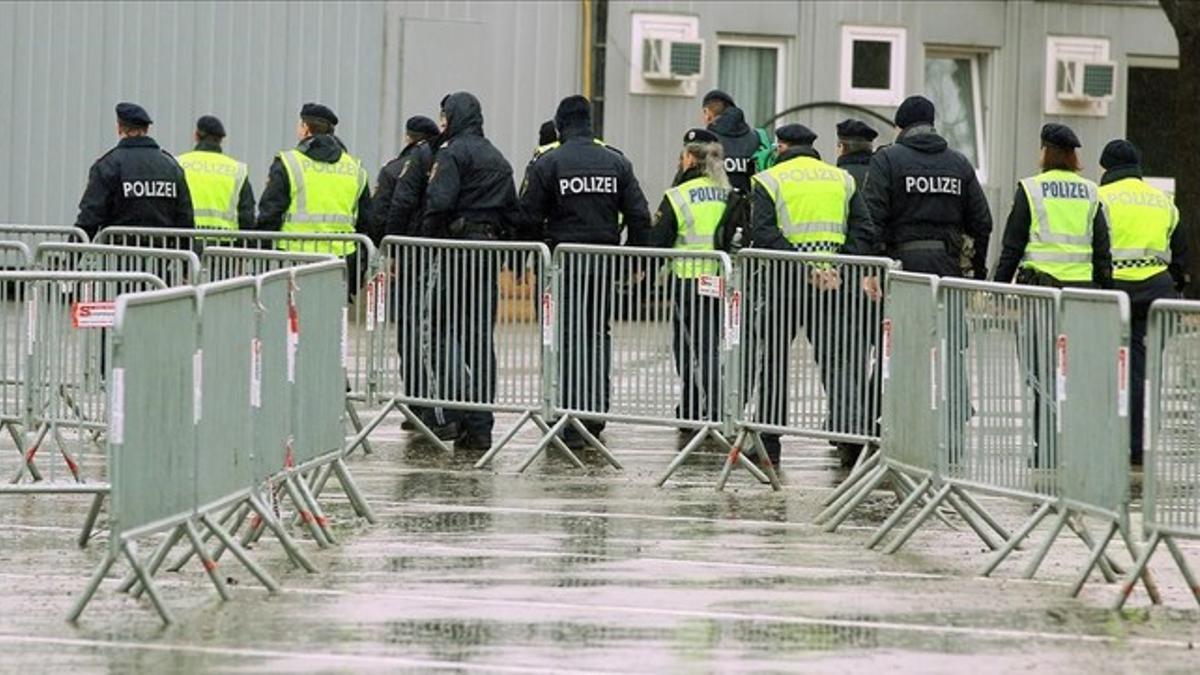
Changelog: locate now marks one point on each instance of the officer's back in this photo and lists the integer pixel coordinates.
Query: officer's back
(575, 193)
(739, 141)
(137, 183)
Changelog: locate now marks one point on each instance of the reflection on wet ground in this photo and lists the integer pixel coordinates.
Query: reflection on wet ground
(559, 569)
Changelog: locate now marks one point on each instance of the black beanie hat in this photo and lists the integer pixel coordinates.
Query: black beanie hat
(1120, 152)
(914, 110)
(573, 111)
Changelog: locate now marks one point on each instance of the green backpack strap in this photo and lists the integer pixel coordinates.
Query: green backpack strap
(764, 158)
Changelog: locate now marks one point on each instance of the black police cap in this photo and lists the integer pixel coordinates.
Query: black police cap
(700, 136)
(318, 111)
(852, 128)
(133, 115)
(208, 125)
(795, 134)
(1059, 135)
(1120, 152)
(573, 111)
(914, 110)
(717, 95)
(419, 124)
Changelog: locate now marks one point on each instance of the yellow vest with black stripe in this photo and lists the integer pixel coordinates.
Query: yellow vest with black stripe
(698, 205)
(324, 201)
(1141, 220)
(812, 202)
(1062, 208)
(215, 182)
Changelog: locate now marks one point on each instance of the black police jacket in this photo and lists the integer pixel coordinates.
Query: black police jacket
(136, 184)
(277, 195)
(856, 164)
(740, 142)
(919, 190)
(470, 182)
(401, 210)
(574, 193)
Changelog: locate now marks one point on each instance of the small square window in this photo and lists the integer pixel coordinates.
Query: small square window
(873, 61)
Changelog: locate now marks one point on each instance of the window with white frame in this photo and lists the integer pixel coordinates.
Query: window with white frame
(872, 67)
(952, 82)
(751, 71)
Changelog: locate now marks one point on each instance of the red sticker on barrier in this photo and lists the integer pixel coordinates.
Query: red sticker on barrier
(1061, 369)
(371, 292)
(93, 314)
(1123, 382)
(547, 318)
(885, 350)
(733, 319)
(381, 297)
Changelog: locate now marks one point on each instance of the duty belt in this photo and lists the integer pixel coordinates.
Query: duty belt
(921, 245)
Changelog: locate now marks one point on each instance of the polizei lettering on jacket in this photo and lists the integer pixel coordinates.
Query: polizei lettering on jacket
(738, 165)
(148, 188)
(706, 194)
(933, 185)
(1065, 189)
(588, 185)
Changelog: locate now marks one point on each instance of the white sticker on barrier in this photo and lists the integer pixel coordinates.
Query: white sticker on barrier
(1122, 381)
(1060, 370)
(371, 306)
(116, 406)
(197, 385)
(733, 320)
(293, 341)
(933, 378)
(381, 298)
(255, 373)
(30, 320)
(710, 286)
(885, 349)
(547, 319)
(1148, 417)
(93, 314)
(346, 338)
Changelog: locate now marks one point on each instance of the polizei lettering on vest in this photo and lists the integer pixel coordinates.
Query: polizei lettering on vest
(588, 185)
(341, 168)
(1138, 199)
(798, 175)
(933, 185)
(738, 165)
(706, 194)
(148, 188)
(209, 167)
(1065, 189)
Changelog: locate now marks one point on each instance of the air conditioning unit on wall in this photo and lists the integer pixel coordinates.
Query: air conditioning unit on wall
(665, 60)
(1081, 81)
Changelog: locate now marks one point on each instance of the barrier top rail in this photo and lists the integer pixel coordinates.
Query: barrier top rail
(191, 260)
(71, 232)
(771, 254)
(18, 247)
(223, 237)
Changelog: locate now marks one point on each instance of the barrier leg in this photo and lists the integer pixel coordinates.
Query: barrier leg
(907, 483)
(27, 455)
(1044, 548)
(916, 522)
(1014, 541)
(983, 513)
(181, 561)
(765, 460)
(356, 423)
(314, 508)
(550, 437)
(860, 471)
(851, 490)
(210, 565)
(1094, 557)
(1182, 563)
(306, 515)
(682, 455)
(240, 553)
(868, 486)
(130, 583)
(357, 501)
(742, 461)
(289, 545)
(421, 428)
(89, 522)
(1146, 576)
(905, 506)
(965, 513)
(147, 582)
(70, 460)
(1107, 567)
(596, 443)
(362, 434)
(495, 449)
(1138, 567)
(102, 569)
(243, 512)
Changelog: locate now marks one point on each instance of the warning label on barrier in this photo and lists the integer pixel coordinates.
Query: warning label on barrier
(30, 320)
(197, 385)
(93, 314)
(371, 292)
(1060, 370)
(255, 373)
(547, 319)
(346, 338)
(1123, 382)
(933, 377)
(116, 407)
(733, 319)
(381, 298)
(293, 341)
(885, 350)
(710, 286)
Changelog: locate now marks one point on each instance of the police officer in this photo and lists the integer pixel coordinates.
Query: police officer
(687, 220)
(547, 134)
(1057, 234)
(222, 198)
(400, 188)
(804, 204)
(577, 193)
(318, 188)
(854, 147)
(739, 140)
(137, 183)
(1149, 251)
(926, 199)
(471, 196)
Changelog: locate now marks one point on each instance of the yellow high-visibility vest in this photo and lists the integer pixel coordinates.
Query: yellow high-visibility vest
(324, 200)
(1062, 208)
(1141, 220)
(215, 182)
(812, 202)
(698, 205)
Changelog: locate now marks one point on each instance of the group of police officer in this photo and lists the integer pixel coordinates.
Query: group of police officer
(917, 201)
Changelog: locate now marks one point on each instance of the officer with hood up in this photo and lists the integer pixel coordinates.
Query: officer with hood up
(739, 141)
(470, 196)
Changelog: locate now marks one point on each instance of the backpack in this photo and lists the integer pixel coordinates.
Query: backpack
(764, 157)
(733, 230)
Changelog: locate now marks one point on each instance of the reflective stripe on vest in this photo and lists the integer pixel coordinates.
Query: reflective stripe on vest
(812, 200)
(1141, 220)
(698, 205)
(1062, 208)
(215, 182)
(324, 201)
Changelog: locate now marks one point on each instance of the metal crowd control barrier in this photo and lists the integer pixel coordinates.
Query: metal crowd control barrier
(221, 262)
(174, 267)
(1171, 491)
(14, 255)
(33, 235)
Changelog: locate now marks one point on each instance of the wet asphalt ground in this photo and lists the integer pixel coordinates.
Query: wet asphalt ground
(562, 570)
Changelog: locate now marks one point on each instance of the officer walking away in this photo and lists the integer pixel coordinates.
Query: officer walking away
(400, 187)
(687, 220)
(578, 193)
(739, 140)
(1149, 251)
(804, 204)
(855, 145)
(926, 199)
(1057, 234)
(222, 198)
(135, 184)
(317, 188)
(470, 196)
(547, 134)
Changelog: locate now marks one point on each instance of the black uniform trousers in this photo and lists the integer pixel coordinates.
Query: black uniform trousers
(462, 332)
(412, 299)
(585, 354)
(696, 345)
(1141, 294)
